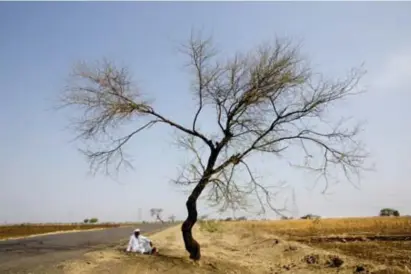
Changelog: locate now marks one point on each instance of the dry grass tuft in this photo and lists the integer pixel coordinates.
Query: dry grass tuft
(210, 226)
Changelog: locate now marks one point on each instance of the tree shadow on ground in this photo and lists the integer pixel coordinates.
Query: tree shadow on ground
(162, 258)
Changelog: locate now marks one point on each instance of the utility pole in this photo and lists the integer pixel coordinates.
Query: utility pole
(294, 211)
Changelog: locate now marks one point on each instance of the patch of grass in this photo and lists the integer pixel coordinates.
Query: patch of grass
(210, 226)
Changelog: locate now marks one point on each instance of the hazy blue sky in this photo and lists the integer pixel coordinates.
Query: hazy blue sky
(43, 177)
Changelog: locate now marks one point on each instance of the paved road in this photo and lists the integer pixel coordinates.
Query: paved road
(24, 255)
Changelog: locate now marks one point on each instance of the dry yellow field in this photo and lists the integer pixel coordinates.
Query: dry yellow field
(289, 246)
(22, 230)
(337, 226)
(385, 240)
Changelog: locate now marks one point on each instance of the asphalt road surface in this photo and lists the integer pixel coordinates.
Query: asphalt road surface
(27, 255)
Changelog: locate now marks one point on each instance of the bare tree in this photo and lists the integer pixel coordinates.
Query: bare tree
(265, 102)
(172, 218)
(156, 212)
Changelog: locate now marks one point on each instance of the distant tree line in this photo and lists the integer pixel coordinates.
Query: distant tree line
(311, 217)
(156, 212)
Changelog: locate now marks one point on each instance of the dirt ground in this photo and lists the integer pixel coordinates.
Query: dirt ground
(242, 247)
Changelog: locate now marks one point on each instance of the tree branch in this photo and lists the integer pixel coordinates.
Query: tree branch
(266, 101)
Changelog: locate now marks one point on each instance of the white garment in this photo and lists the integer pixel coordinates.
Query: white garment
(140, 244)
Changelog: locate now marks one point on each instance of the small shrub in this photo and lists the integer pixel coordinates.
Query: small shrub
(86, 221)
(311, 217)
(93, 220)
(389, 212)
(335, 261)
(360, 269)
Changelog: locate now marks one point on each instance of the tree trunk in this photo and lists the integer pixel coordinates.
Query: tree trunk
(191, 245)
(158, 218)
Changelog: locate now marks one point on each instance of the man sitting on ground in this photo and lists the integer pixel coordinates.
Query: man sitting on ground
(140, 244)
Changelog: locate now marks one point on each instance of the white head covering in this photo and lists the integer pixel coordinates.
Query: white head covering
(137, 230)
